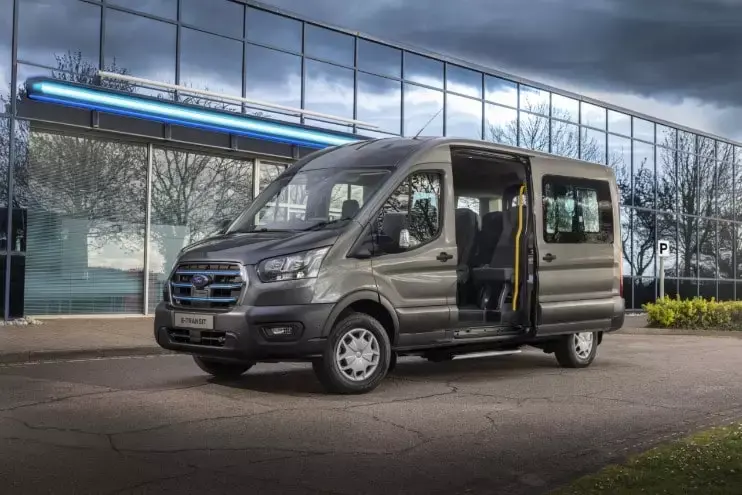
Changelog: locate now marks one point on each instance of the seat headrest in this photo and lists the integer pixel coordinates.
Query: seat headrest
(393, 223)
(350, 208)
(465, 216)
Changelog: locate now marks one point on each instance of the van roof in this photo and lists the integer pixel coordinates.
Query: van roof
(390, 152)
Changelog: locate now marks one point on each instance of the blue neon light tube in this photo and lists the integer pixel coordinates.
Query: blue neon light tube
(74, 95)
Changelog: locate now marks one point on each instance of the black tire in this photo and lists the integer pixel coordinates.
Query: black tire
(327, 369)
(572, 354)
(221, 369)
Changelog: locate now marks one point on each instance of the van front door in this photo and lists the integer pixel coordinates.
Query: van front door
(574, 232)
(418, 274)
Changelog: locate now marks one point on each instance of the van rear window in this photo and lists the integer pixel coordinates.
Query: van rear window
(577, 210)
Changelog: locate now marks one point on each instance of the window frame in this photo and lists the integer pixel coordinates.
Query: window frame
(441, 215)
(604, 194)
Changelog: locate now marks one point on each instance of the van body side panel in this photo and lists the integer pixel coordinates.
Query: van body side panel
(577, 289)
(418, 285)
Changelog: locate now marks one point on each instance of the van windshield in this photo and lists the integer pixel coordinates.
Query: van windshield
(311, 199)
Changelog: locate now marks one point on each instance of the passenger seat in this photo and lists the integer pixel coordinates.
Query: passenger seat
(488, 238)
(467, 235)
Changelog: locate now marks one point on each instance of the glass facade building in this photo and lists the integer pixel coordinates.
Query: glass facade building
(93, 218)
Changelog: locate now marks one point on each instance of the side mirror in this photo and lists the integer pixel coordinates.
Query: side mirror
(404, 239)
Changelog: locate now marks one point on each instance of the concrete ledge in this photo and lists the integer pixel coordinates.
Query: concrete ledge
(680, 332)
(70, 354)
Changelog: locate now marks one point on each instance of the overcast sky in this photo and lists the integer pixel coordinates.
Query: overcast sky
(680, 60)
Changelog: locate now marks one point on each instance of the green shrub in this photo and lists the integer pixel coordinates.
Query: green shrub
(696, 313)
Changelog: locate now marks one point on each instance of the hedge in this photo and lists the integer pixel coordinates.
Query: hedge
(696, 313)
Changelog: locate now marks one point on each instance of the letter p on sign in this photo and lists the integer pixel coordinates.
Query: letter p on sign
(663, 249)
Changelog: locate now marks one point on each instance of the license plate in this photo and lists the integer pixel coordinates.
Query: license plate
(201, 322)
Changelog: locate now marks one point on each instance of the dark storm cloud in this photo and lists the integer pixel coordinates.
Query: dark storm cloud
(661, 48)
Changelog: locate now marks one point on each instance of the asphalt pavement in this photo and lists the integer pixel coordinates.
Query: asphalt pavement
(515, 424)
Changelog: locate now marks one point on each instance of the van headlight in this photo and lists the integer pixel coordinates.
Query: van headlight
(293, 266)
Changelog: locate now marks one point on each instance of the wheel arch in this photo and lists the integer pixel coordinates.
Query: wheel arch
(371, 303)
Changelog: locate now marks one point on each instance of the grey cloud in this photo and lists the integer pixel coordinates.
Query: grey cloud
(663, 48)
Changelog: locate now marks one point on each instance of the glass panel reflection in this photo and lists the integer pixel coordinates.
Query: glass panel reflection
(423, 70)
(273, 77)
(666, 136)
(534, 100)
(687, 183)
(565, 108)
(422, 109)
(463, 117)
(626, 243)
(160, 8)
(724, 190)
(643, 167)
(464, 81)
(706, 177)
(593, 115)
(191, 195)
(738, 183)
(667, 230)
(329, 45)
(6, 28)
(273, 30)
(380, 102)
(724, 152)
(643, 243)
(593, 146)
(379, 59)
(218, 16)
(129, 35)
(619, 123)
(329, 89)
(643, 129)
(565, 139)
(667, 188)
(43, 16)
(688, 246)
(707, 249)
(501, 91)
(85, 202)
(211, 63)
(726, 238)
(501, 125)
(534, 132)
(619, 159)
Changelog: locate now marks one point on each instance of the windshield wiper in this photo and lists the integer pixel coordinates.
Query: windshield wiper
(320, 225)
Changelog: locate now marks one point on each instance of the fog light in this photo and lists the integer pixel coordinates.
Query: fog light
(282, 331)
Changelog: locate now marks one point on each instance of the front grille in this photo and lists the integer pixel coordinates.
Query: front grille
(208, 338)
(223, 287)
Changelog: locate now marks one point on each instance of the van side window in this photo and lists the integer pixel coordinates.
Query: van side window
(415, 205)
(577, 211)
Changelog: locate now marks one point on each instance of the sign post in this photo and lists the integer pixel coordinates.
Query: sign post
(663, 251)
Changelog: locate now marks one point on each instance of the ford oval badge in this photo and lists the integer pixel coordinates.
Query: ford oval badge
(200, 281)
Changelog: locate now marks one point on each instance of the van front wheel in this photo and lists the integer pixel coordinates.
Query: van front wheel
(357, 356)
(576, 350)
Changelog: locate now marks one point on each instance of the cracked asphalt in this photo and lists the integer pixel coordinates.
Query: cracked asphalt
(515, 424)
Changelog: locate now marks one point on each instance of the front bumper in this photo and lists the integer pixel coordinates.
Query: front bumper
(238, 334)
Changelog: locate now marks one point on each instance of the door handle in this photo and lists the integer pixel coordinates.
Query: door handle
(549, 257)
(443, 257)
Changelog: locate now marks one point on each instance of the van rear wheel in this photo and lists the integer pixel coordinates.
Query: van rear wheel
(576, 350)
(221, 369)
(357, 356)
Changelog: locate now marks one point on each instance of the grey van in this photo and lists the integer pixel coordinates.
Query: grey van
(435, 247)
